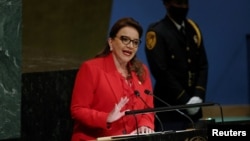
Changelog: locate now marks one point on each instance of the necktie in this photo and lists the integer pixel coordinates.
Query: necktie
(182, 30)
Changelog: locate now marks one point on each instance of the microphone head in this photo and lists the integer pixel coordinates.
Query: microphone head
(147, 92)
(137, 93)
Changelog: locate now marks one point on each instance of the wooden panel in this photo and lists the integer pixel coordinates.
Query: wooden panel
(60, 34)
(228, 111)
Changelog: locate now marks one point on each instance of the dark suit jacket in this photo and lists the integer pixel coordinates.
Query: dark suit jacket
(178, 64)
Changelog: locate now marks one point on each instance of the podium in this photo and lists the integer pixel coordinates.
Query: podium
(181, 135)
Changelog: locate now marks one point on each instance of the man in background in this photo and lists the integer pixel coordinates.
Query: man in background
(178, 62)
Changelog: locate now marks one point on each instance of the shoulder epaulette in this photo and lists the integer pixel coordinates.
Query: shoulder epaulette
(197, 30)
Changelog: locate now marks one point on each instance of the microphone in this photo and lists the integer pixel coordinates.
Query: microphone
(185, 115)
(137, 93)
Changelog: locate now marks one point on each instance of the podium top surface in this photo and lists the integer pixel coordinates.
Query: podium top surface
(163, 136)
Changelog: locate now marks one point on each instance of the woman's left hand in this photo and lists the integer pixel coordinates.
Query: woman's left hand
(143, 130)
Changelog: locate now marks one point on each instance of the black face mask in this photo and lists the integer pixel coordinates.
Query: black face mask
(177, 13)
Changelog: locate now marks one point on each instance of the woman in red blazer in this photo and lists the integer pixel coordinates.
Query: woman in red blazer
(110, 84)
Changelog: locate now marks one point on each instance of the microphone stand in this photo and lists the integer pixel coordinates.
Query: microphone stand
(136, 122)
(138, 94)
(163, 109)
(149, 93)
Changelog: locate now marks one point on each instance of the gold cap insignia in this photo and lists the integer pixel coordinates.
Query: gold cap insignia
(150, 40)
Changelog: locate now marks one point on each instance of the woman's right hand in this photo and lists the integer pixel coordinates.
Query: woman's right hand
(116, 113)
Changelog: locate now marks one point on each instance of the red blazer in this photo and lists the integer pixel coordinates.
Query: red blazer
(98, 87)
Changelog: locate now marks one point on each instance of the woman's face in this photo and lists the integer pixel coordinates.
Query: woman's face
(125, 45)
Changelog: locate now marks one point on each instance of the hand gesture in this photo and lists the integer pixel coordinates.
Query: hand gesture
(116, 113)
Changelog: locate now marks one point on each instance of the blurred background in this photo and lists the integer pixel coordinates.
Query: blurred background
(43, 42)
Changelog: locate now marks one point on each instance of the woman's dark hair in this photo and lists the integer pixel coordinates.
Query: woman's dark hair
(135, 64)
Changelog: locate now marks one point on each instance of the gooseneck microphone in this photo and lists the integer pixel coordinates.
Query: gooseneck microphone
(185, 115)
(137, 93)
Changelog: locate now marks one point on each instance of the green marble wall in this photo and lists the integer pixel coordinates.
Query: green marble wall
(10, 68)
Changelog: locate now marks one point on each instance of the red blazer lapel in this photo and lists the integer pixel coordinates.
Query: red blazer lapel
(113, 77)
